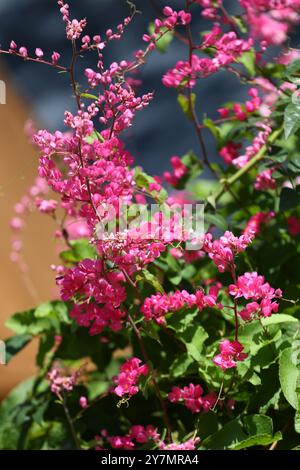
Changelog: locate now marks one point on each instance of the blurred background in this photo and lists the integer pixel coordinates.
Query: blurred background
(40, 93)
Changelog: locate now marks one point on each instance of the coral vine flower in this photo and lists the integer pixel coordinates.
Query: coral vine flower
(128, 377)
(193, 398)
(230, 354)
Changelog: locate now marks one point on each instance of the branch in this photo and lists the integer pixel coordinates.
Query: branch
(155, 384)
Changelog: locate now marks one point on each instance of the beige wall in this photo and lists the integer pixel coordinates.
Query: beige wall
(18, 170)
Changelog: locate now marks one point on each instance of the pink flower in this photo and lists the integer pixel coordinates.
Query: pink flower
(23, 51)
(158, 305)
(55, 58)
(179, 170)
(265, 181)
(258, 142)
(59, 382)
(16, 223)
(193, 398)
(128, 377)
(294, 225)
(255, 222)
(229, 152)
(137, 435)
(187, 445)
(230, 354)
(223, 251)
(39, 53)
(46, 206)
(83, 402)
(252, 286)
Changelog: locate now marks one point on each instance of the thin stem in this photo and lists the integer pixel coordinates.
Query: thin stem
(36, 60)
(192, 110)
(70, 422)
(77, 97)
(155, 384)
(236, 318)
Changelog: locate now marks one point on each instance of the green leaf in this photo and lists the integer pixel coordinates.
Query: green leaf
(47, 317)
(291, 119)
(210, 125)
(194, 339)
(95, 135)
(229, 436)
(181, 364)
(289, 376)
(163, 43)
(252, 430)
(15, 344)
(248, 59)
(80, 249)
(217, 220)
(89, 96)
(184, 103)
(150, 279)
(151, 330)
(289, 199)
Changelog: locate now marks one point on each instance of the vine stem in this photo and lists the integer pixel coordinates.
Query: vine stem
(226, 183)
(36, 60)
(70, 422)
(77, 97)
(193, 113)
(236, 320)
(155, 384)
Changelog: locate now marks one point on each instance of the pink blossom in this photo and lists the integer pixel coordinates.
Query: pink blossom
(229, 152)
(193, 398)
(39, 53)
(264, 180)
(126, 381)
(179, 170)
(158, 305)
(23, 52)
(83, 402)
(255, 222)
(259, 141)
(55, 58)
(59, 382)
(223, 251)
(187, 445)
(230, 354)
(137, 435)
(294, 225)
(46, 206)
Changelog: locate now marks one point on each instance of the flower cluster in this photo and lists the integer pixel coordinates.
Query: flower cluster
(59, 382)
(253, 286)
(137, 435)
(158, 305)
(187, 445)
(96, 317)
(130, 372)
(193, 398)
(270, 20)
(227, 48)
(255, 222)
(264, 180)
(230, 354)
(223, 250)
(179, 170)
(259, 141)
